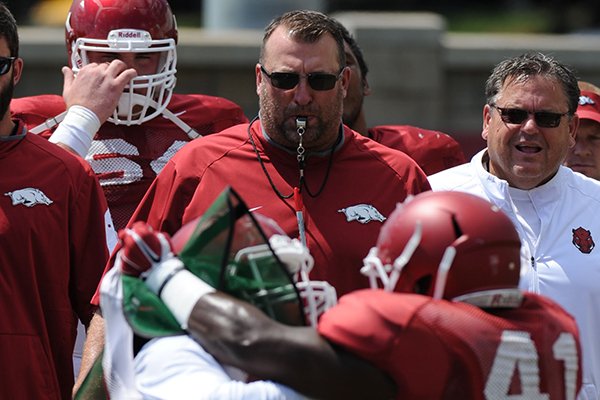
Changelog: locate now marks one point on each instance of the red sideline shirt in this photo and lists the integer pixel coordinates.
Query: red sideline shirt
(53, 241)
(363, 183)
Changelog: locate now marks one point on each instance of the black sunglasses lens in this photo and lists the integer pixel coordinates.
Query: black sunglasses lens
(547, 119)
(542, 118)
(513, 115)
(284, 80)
(322, 81)
(4, 65)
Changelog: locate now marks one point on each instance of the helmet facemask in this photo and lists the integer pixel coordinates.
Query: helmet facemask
(317, 296)
(146, 96)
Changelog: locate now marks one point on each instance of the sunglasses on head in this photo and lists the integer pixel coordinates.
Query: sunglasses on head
(543, 119)
(289, 80)
(5, 64)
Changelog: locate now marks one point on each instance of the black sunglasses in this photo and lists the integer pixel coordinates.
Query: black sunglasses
(289, 80)
(544, 119)
(5, 64)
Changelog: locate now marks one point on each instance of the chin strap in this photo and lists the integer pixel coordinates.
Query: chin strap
(49, 123)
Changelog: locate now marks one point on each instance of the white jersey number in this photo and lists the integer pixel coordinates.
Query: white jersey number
(517, 352)
(106, 157)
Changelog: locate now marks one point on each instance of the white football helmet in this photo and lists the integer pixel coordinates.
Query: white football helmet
(318, 296)
(132, 26)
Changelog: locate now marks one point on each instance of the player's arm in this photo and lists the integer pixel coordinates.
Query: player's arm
(239, 334)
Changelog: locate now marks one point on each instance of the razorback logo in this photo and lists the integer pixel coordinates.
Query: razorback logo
(582, 239)
(363, 213)
(29, 197)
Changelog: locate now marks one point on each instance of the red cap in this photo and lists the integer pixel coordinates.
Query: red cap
(589, 106)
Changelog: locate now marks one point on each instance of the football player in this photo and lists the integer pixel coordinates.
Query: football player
(245, 255)
(445, 319)
(123, 60)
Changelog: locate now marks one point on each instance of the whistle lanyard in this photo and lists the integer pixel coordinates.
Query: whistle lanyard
(296, 195)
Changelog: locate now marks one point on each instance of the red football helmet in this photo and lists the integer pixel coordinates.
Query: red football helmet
(127, 26)
(449, 245)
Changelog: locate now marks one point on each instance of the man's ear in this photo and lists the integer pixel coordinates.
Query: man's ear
(366, 87)
(17, 70)
(259, 78)
(486, 121)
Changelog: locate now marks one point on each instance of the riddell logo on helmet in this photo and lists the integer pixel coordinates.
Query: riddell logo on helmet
(130, 35)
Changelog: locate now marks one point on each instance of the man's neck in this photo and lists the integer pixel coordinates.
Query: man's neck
(7, 125)
(360, 124)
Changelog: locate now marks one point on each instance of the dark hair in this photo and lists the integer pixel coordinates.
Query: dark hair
(307, 26)
(8, 30)
(356, 50)
(527, 65)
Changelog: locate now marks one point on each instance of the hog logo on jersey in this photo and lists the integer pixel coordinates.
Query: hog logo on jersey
(29, 197)
(582, 239)
(363, 213)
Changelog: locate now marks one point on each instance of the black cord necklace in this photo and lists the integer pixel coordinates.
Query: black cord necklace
(301, 181)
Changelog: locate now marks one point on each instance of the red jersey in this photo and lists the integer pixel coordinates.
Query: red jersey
(52, 236)
(126, 159)
(434, 151)
(436, 349)
(361, 183)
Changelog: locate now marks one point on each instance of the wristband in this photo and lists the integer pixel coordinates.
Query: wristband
(77, 129)
(158, 276)
(177, 287)
(182, 292)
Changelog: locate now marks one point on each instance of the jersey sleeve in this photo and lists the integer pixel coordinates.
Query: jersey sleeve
(368, 322)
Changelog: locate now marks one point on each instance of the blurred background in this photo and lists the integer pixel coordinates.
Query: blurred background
(428, 60)
(525, 16)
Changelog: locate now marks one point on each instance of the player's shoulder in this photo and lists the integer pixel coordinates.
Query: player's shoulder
(373, 307)
(373, 147)
(411, 135)
(212, 147)
(206, 103)
(206, 114)
(47, 104)
(543, 305)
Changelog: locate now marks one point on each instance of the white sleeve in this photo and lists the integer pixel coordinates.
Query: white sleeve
(179, 368)
(77, 129)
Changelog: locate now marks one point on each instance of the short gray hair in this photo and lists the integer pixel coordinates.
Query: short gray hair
(531, 64)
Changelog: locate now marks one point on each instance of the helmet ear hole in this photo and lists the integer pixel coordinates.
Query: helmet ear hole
(423, 285)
